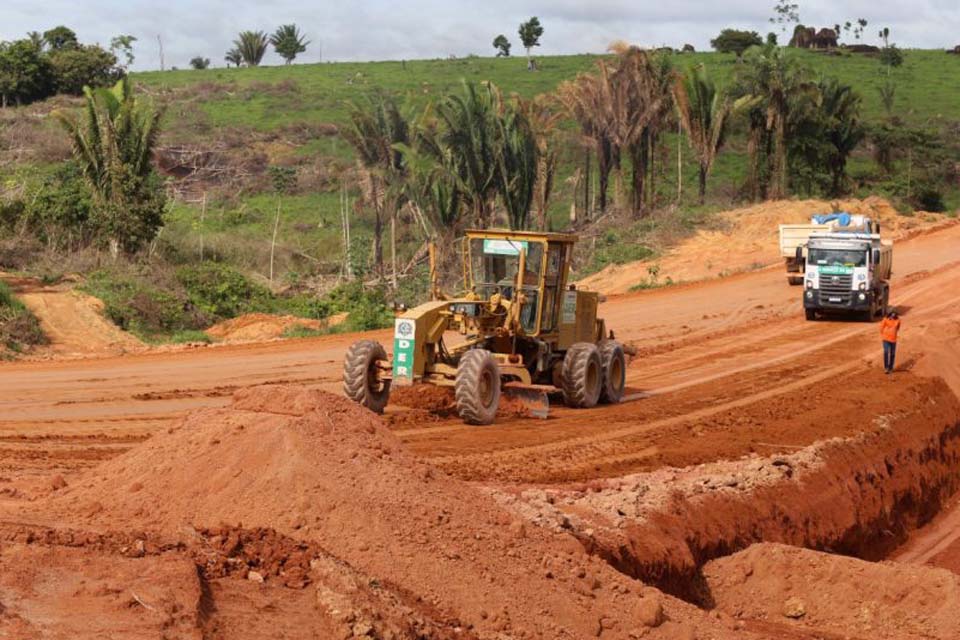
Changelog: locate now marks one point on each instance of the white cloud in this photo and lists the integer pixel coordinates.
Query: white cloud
(379, 29)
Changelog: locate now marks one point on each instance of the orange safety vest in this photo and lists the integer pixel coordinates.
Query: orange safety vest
(889, 329)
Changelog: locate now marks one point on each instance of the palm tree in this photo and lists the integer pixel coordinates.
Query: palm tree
(113, 143)
(234, 57)
(585, 101)
(287, 41)
(544, 116)
(840, 106)
(469, 130)
(377, 132)
(704, 112)
(622, 108)
(252, 45)
(517, 154)
(772, 76)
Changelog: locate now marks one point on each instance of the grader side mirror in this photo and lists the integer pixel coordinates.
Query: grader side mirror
(876, 256)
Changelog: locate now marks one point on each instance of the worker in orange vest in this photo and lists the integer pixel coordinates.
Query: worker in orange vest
(889, 328)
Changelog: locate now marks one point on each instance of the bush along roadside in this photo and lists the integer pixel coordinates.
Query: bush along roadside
(158, 304)
(19, 328)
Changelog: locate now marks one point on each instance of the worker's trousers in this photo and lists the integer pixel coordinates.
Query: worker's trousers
(889, 354)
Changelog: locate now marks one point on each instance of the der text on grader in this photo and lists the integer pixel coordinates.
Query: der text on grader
(519, 328)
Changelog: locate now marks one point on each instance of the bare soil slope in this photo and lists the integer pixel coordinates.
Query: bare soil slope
(72, 321)
(748, 239)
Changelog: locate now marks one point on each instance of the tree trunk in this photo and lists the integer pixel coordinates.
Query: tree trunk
(378, 242)
(703, 182)
(780, 160)
(603, 167)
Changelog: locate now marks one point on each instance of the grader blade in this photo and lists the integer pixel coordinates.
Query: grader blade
(532, 397)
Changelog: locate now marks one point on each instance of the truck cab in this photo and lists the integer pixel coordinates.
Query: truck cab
(847, 273)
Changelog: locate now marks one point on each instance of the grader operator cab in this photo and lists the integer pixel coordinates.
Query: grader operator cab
(520, 329)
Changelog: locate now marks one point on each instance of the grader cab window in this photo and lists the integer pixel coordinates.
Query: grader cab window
(493, 268)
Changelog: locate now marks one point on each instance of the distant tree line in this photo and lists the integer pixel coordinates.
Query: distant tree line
(52, 62)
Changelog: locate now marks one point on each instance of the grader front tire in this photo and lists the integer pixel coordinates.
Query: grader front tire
(582, 376)
(477, 388)
(361, 380)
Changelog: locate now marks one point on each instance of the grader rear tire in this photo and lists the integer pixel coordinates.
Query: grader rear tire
(582, 376)
(614, 366)
(477, 388)
(361, 382)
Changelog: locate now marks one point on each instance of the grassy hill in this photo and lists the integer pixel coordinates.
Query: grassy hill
(288, 115)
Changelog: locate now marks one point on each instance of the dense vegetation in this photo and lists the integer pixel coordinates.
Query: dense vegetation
(269, 171)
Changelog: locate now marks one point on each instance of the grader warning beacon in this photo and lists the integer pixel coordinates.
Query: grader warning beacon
(519, 329)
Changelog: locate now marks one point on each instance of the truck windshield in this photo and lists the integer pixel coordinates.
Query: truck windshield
(838, 257)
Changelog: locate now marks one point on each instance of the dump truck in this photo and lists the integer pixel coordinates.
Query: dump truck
(520, 328)
(847, 273)
(793, 238)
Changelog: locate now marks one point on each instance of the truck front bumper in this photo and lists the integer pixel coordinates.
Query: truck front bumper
(848, 301)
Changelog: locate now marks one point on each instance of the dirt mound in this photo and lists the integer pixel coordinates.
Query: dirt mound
(748, 239)
(318, 468)
(830, 593)
(259, 327)
(72, 321)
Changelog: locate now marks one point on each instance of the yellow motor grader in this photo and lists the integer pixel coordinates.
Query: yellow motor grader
(520, 329)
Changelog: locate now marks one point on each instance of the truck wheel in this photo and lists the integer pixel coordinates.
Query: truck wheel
(614, 366)
(477, 388)
(361, 379)
(582, 375)
(811, 314)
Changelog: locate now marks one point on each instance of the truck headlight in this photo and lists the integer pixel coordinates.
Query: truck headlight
(862, 297)
(863, 286)
(809, 294)
(809, 284)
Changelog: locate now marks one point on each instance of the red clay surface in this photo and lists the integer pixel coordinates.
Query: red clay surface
(300, 515)
(705, 350)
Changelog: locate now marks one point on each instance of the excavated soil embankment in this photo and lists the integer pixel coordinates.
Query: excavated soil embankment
(858, 496)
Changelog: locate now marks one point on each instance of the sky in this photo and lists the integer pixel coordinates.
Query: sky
(410, 29)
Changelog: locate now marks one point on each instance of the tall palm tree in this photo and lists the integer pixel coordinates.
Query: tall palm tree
(252, 45)
(469, 130)
(585, 100)
(517, 155)
(287, 41)
(840, 106)
(622, 109)
(772, 76)
(113, 143)
(704, 112)
(544, 114)
(377, 131)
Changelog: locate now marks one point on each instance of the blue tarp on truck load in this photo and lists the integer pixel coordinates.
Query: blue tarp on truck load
(842, 218)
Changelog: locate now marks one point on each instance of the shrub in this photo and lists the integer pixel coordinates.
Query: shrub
(222, 292)
(136, 304)
(19, 329)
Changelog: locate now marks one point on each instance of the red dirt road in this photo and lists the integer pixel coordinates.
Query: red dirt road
(709, 353)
